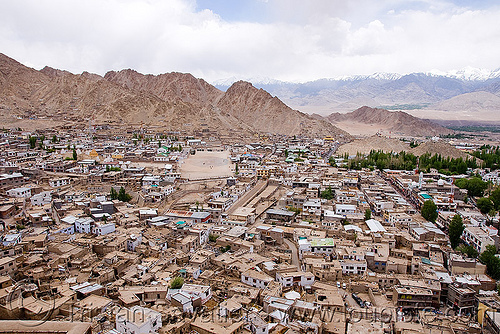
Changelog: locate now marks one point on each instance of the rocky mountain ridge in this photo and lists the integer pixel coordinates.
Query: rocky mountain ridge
(396, 122)
(172, 100)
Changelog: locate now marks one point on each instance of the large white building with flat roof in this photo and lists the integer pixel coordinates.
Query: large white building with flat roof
(478, 237)
(138, 320)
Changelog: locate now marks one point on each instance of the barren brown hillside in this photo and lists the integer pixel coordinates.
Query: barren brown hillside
(260, 110)
(171, 100)
(365, 145)
(396, 122)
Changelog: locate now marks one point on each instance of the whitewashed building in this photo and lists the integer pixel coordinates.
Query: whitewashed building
(138, 320)
(22, 192)
(103, 229)
(255, 278)
(301, 278)
(56, 183)
(45, 197)
(353, 267)
(84, 225)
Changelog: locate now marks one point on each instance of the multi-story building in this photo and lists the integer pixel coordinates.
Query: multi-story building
(21, 192)
(300, 278)
(256, 279)
(138, 320)
(7, 265)
(56, 183)
(271, 234)
(412, 297)
(491, 322)
(353, 267)
(13, 180)
(462, 299)
(323, 270)
(322, 245)
(477, 237)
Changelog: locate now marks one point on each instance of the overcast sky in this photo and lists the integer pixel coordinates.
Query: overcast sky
(292, 40)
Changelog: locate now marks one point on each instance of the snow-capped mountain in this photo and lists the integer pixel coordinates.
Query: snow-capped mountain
(254, 80)
(386, 90)
(469, 74)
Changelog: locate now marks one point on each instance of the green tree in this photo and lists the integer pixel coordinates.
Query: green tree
(368, 214)
(75, 157)
(327, 193)
(429, 211)
(294, 209)
(113, 194)
(495, 198)
(236, 169)
(123, 196)
(32, 141)
(177, 283)
(468, 250)
(491, 261)
(225, 249)
(212, 237)
(455, 230)
(485, 205)
(54, 139)
(475, 186)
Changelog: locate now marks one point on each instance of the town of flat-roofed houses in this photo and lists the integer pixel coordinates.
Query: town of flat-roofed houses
(196, 232)
(223, 223)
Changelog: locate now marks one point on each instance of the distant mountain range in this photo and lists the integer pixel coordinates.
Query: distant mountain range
(416, 91)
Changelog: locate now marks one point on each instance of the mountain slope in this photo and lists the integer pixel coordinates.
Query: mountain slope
(168, 86)
(365, 145)
(258, 109)
(396, 122)
(475, 101)
(174, 101)
(25, 92)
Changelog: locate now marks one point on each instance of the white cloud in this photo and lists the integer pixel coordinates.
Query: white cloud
(306, 40)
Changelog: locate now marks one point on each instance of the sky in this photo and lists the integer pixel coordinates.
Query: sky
(288, 40)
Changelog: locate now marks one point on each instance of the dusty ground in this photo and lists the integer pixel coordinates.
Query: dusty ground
(365, 145)
(465, 115)
(207, 165)
(27, 124)
(361, 129)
